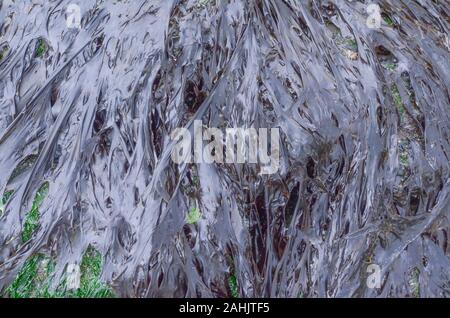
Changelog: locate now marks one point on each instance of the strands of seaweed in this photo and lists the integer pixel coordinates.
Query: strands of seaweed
(364, 121)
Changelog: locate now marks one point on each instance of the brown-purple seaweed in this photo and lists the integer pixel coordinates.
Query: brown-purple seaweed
(364, 121)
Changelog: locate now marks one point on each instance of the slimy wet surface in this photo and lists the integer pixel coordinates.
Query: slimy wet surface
(359, 206)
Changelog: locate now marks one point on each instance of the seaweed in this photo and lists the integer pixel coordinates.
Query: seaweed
(363, 121)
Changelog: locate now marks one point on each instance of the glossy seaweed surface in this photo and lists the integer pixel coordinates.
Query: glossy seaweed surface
(86, 114)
